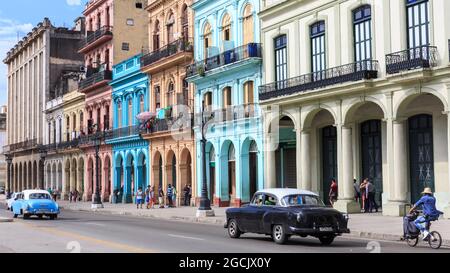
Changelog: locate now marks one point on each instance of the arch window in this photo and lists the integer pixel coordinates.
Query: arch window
(248, 28)
(207, 99)
(226, 97)
(141, 103)
(170, 94)
(130, 111)
(157, 97)
(207, 39)
(119, 114)
(185, 22)
(156, 37)
(249, 92)
(226, 27)
(170, 28)
(280, 58)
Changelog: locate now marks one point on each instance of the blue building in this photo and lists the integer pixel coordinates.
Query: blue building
(130, 151)
(226, 75)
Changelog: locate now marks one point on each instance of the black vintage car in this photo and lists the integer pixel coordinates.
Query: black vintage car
(282, 213)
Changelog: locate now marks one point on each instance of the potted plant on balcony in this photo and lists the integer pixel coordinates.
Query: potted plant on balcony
(201, 70)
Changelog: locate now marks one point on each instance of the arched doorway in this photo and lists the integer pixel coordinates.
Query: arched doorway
(185, 173)
(91, 179)
(232, 174)
(211, 171)
(329, 159)
(79, 184)
(171, 169)
(157, 171)
(129, 178)
(249, 169)
(119, 177)
(285, 155)
(371, 155)
(107, 178)
(421, 154)
(142, 171)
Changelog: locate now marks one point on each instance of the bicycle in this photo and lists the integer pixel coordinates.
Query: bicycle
(434, 238)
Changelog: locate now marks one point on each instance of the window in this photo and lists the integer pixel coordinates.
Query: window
(156, 39)
(130, 112)
(185, 22)
(207, 98)
(81, 120)
(130, 22)
(281, 59)
(106, 117)
(318, 50)
(249, 93)
(107, 17)
(226, 27)
(362, 33)
(170, 94)
(157, 97)
(139, 5)
(170, 24)
(248, 25)
(125, 46)
(141, 103)
(418, 23)
(226, 97)
(119, 114)
(207, 39)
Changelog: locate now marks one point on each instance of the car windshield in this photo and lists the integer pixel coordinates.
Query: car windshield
(40, 196)
(302, 200)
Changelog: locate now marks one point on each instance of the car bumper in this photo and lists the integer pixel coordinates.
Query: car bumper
(317, 231)
(41, 212)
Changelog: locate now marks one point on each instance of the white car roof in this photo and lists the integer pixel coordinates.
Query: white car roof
(281, 193)
(27, 193)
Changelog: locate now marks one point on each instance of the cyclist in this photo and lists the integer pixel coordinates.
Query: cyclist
(430, 213)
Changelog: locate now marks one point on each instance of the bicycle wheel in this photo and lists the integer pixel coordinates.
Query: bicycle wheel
(412, 242)
(435, 240)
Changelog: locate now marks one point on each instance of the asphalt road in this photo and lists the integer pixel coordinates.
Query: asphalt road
(87, 232)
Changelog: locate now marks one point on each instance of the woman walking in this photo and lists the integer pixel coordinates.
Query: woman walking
(161, 197)
(333, 192)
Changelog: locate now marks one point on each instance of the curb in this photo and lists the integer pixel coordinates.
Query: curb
(6, 220)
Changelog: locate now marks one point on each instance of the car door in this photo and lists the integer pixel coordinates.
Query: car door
(269, 204)
(17, 203)
(249, 213)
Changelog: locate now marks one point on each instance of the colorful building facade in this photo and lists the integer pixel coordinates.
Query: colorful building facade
(226, 76)
(171, 139)
(130, 151)
(115, 31)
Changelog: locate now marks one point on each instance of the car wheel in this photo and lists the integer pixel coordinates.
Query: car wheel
(40, 216)
(327, 240)
(26, 216)
(279, 235)
(15, 215)
(233, 229)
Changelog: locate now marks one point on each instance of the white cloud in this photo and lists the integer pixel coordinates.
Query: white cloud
(10, 32)
(73, 2)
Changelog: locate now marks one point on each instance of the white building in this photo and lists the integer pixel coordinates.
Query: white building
(356, 89)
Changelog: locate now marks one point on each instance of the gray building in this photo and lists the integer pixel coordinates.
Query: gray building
(3, 141)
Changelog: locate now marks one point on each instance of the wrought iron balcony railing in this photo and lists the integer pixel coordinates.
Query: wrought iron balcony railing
(69, 144)
(252, 50)
(93, 36)
(168, 124)
(230, 113)
(346, 73)
(123, 132)
(98, 77)
(414, 58)
(180, 45)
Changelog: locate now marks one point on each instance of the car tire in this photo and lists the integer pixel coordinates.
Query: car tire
(279, 235)
(40, 216)
(15, 215)
(26, 216)
(327, 239)
(233, 229)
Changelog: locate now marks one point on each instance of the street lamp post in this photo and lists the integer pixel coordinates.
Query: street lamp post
(204, 209)
(43, 154)
(9, 160)
(97, 200)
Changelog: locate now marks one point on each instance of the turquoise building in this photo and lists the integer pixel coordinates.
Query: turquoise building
(226, 75)
(130, 152)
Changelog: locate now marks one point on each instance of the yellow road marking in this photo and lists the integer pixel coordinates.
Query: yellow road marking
(55, 231)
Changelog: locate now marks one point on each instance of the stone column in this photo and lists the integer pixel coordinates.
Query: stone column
(346, 202)
(447, 208)
(398, 198)
(270, 170)
(305, 137)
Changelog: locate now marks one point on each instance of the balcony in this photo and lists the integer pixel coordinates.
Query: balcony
(95, 80)
(95, 38)
(175, 53)
(22, 146)
(68, 144)
(124, 132)
(252, 50)
(363, 70)
(231, 113)
(168, 125)
(410, 59)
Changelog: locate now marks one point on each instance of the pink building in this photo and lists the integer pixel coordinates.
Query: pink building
(115, 31)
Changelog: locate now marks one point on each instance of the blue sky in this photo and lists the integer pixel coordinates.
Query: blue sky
(18, 17)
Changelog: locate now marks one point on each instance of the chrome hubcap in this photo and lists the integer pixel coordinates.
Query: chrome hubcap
(278, 232)
(232, 228)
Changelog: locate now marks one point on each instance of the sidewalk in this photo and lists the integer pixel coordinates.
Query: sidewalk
(370, 226)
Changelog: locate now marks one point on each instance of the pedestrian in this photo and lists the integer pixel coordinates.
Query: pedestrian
(139, 198)
(147, 197)
(357, 191)
(161, 197)
(364, 195)
(169, 195)
(371, 196)
(174, 196)
(70, 196)
(187, 195)
(76, 195)
(333, 192)
(151, 197)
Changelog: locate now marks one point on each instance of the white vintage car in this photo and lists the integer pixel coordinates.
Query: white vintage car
(11, 200)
